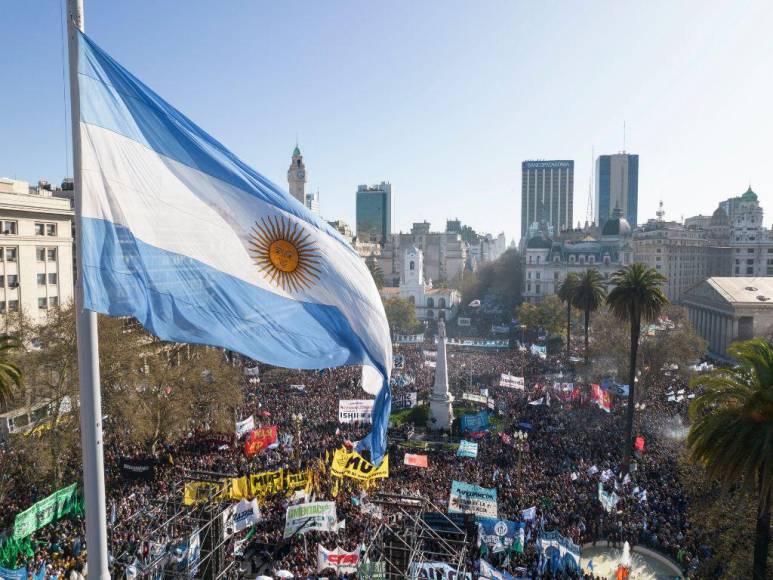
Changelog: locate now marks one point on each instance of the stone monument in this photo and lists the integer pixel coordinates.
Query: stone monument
(441, 414)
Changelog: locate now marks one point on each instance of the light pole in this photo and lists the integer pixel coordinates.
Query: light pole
(520, 438)
(298, 420)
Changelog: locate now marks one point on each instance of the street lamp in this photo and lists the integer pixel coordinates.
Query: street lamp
(298, 420)
(520, 439)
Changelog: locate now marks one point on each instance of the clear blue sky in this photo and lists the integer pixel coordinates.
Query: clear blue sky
(442, 98)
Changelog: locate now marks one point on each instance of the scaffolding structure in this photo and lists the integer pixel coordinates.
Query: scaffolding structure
(414, 531)
(173, 525)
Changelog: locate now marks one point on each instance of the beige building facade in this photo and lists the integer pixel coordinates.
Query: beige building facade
(36, 249)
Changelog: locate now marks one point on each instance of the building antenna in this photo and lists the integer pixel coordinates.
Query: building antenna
(624, 136)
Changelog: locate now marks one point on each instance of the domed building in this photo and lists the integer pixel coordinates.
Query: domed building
(548, 261)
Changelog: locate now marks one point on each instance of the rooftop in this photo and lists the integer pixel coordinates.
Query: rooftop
(743, 290)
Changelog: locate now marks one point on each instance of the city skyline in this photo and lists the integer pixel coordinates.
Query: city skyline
(355, 97)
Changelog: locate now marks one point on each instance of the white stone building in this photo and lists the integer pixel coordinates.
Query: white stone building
(429, 303)
(751, 243)
(36, 249)
(548, 261)
(724, 310)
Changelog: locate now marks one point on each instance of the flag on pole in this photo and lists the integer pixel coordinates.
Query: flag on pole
(200, 248)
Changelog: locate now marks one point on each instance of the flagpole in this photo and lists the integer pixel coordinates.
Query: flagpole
(88, 348)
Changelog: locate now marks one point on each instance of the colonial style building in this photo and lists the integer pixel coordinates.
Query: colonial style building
(724, 310)
(548, 261)
(36, 248)
(429, 303)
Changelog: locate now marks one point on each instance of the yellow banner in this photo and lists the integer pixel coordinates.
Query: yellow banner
(247, 487)
(352, 464)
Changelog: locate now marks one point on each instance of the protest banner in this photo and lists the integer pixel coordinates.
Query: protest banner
(557, 553)
(475, 398)
(471, 499)
(351, 464)
(430, 363)
(245, 426)
(240, 516)
(467, 449)
(137, 468)
(404, 401)
(341, 561)
(512, 382)
(488, 572)
(601, 398)
(437, 571)
(59, 504)
(355, 411)
(529, 514)
(415, 460)
(475, 422)
(259, 439)
(315, 516)
(501, 535)
(540, 351)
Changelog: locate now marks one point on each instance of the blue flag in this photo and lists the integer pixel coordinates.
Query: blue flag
(200, 248)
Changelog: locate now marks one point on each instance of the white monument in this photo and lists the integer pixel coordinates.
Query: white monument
(441, 413)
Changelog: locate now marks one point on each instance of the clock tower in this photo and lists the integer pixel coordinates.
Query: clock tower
(296, 176)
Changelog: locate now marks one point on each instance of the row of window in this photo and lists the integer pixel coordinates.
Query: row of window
(10, 254)
(13, 279)
(11, 228)
(572, 259)
(43, 304)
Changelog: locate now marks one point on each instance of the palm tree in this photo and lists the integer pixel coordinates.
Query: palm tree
(588, 296)
(636, 297)
(732, 431)
(566, 293)
(10, 375)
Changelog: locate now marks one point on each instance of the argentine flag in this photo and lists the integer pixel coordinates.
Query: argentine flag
(182, 235)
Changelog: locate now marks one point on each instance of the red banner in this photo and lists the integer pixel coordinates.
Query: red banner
(638, 444)
(259, 439)
(415, 460)
(601, 398)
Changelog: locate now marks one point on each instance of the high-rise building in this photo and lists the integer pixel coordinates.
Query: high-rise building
(374, 212)
(36, 249)
(547, 194)
(312, 201)
(617, 186)
(296, 176)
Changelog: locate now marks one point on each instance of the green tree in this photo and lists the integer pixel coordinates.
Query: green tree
(375, 271)
(547, 314)
(566, 292)
(401, 315)
(588, 296)
(636, 297)
(732, 431)
(10, 375)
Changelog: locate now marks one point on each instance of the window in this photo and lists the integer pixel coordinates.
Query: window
(537, 289)
(41, 279)
(51, 229)
(737, 271)
(42, 303)
(52, 278)
(10, 254)
(8, 227)
(441, 303)
(2, 305)
(528, 287)
(750, 262)
(53, 301)
(528, 275)
(571, 259)
(430, 302)
(749, 270)
(750, 251)
(538, 275)
(13, 305)
(13, 281)
(555, 276)
(412, 266)
(538, 259)
(2, 281)
(51, 254)
(40, 253)
(40, 229)
(592, 259)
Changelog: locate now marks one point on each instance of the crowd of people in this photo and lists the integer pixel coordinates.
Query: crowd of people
(572, 447)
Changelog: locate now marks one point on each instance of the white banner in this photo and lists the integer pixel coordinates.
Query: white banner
(512, 382)
(475, 398)
(339, 560)
(437, 571)
(430, 363)
(355, 410)
(240, 516)
(307, 517)
(245, 426)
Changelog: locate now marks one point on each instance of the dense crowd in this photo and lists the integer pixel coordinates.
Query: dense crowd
(572, 446)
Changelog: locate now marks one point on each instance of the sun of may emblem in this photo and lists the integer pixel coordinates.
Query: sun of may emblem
(284, 252)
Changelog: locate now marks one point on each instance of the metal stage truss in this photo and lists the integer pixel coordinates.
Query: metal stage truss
(415, 531)
(165, 524)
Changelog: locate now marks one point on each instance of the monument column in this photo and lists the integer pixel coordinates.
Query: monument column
(441, 414)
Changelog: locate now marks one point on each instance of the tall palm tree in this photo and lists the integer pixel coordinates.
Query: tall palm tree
(636, 297)
(732, 431)
(588, 296)
(10, 375)
(566, 293)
